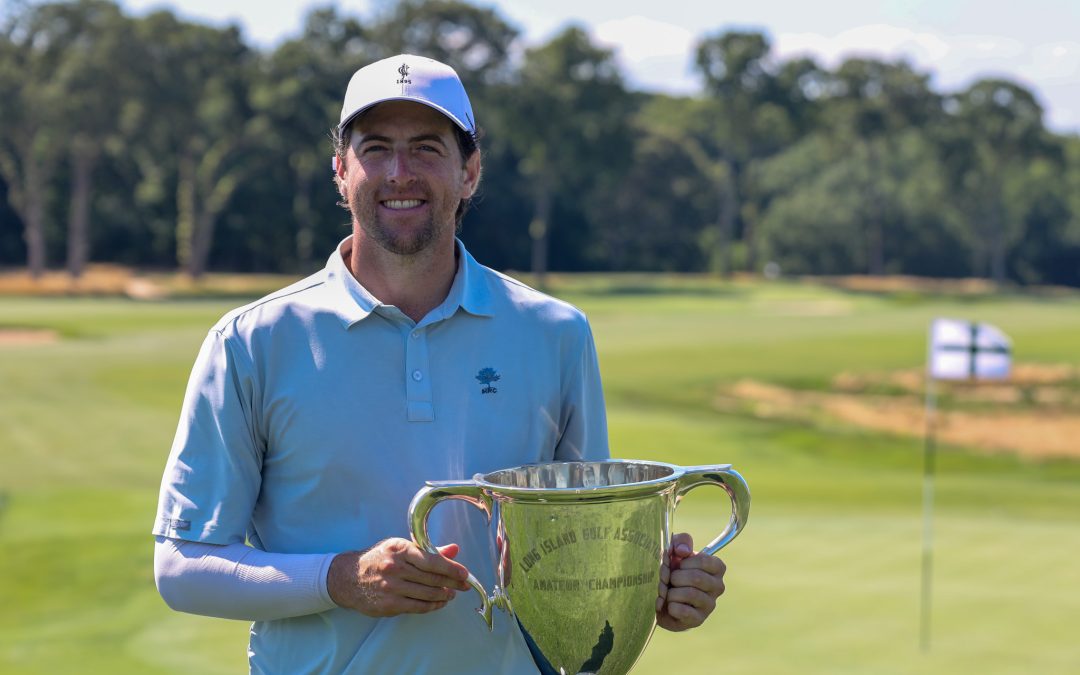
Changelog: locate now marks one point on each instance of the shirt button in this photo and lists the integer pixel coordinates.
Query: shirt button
(417, 375)
(415, 334)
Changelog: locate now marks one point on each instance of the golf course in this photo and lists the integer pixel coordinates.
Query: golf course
(814, 392)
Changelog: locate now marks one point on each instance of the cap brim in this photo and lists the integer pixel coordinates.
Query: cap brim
(359, 111)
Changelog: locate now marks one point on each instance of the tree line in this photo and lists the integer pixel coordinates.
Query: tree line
(157, 142)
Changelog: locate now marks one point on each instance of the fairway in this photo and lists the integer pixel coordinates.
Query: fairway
(824, 580)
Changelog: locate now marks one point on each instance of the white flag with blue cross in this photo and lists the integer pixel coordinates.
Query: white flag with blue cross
(964, 350)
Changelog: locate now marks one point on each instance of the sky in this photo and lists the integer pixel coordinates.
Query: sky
(1033, 42)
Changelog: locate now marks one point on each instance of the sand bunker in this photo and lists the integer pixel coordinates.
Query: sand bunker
(1035, 414)
(10, 337)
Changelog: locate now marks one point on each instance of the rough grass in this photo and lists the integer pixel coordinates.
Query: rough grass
(825, 579)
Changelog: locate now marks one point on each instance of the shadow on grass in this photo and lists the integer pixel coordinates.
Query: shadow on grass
(906, 290)
(645, 290)
(614, 285)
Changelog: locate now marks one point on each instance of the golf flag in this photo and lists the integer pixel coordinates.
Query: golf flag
(959, 350)
(963, 350)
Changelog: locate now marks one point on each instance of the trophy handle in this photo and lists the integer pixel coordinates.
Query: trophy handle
(729, 479)
(425, 499)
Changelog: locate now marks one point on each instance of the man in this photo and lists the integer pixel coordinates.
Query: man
(313, 415)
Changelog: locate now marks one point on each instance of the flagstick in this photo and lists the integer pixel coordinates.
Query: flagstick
(929, 457)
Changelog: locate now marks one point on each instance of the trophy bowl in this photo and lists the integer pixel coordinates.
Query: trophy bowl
(579, 550)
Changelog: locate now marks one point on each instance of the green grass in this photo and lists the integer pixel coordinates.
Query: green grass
(824, 580)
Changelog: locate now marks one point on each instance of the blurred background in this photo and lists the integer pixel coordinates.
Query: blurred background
(761, 207)
(174, 139)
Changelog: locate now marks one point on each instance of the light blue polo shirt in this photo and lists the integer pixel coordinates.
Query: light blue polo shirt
(315, 414)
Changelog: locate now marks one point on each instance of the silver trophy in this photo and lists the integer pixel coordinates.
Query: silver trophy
(579, 548)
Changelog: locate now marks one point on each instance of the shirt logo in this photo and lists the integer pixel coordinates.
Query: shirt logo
(176, 524)
(404, 72)
(486, 376)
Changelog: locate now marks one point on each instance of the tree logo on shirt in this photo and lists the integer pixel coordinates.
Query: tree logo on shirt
(486, 376)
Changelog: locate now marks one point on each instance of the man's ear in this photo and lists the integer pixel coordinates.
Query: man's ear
(339, 180)
(339, 167)
(472, 171)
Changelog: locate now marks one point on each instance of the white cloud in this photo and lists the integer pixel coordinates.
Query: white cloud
(637, 38)
(654, 54)
(1051, 69)
(877, 40)
(1054, 62)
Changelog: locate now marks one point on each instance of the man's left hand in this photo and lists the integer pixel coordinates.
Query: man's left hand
(690, 583)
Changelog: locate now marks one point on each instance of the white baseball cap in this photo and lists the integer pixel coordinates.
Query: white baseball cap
(407, 77)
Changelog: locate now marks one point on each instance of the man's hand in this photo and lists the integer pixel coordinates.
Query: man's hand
(395, 577)
(690, 583)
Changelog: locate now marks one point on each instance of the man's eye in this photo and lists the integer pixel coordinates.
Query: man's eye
(429, 148)
(368, 149)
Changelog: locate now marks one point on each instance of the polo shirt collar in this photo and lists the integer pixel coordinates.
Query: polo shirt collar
(354, 303)
(349, 300)
(471, 290)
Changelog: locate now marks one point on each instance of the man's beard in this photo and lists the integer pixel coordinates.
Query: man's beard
(393, 240)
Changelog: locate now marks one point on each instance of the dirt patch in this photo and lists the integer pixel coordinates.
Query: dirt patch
(108, 280)
(14, 337)
(809, 308)
(897, 283)
(1049, 428)
(1029, 383)
(98, 279)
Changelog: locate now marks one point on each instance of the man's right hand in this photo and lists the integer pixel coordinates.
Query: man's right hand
(395, 577)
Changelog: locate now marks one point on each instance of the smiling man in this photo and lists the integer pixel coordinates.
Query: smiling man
(404, 176)
(313, 415)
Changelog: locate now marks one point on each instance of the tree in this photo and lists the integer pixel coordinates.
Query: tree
(654, 216)
(1046, 250)
(1071, 180)
(96, 37)
(995, 131)
(31, 50)
(873, 106)
(662, 210)
(571, 114)
(195, 112)
(296, 94)
(742, 123)
(815, 206)
(168, 142)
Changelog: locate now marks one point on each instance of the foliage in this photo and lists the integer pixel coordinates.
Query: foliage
(157, 142)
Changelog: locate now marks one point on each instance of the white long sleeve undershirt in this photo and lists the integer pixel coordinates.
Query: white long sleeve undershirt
(237, 581)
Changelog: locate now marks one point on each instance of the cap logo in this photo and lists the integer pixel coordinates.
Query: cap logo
(404, 72)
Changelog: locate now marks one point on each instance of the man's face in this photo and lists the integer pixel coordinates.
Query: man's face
(403, 177)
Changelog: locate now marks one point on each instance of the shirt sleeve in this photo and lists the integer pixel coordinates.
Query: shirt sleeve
(213, 474)
(240, 582)
(585, 433)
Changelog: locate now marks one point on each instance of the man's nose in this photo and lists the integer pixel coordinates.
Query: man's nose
(400, 170)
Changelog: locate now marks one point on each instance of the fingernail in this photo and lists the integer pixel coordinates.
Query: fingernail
(683, 549)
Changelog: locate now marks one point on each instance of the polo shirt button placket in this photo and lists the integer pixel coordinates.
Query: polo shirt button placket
(419, 403)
